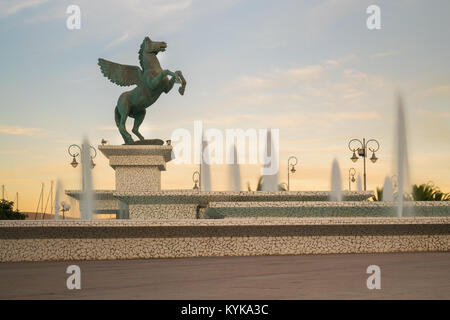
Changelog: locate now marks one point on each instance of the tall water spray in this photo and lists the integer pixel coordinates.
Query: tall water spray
(87, 198)
(359, 184)
(234, 172)
(270, 166)
(75, 208)
(403, 181)
(388, 190)
(205, 168)
(58, 192)
(336, 182)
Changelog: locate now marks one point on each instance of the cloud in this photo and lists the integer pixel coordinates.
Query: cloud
(140, 17)
(276, 78)
(383, 54)
(323, 85)
(118, 41)
(10, 7)
(437, 90)
(433, 114)
(15, 151)
(355, 116)
(21, 131)
(321, 16)
(431, 126)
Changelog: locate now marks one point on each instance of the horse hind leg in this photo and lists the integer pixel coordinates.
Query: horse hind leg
(117, 117)
(121, 118)
(137, 123)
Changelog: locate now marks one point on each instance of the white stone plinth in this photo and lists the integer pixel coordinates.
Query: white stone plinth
(138, 167)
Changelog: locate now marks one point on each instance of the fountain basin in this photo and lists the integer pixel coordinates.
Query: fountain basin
(45, 240)
(325, 209)
(190, 204)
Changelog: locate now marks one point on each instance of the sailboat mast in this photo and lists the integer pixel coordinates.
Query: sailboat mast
(39, 202)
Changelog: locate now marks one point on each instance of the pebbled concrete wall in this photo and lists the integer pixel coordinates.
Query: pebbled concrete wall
(325, 209)
(128, 239)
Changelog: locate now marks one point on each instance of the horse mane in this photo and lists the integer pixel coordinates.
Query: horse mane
(141, 55)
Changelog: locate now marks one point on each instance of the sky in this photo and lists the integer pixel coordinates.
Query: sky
(311, 69)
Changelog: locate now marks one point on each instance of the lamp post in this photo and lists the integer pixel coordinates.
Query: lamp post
(362, 152)
(64, 208)
(196, 179)
(351, 177)
(74, 155)
(292, 169)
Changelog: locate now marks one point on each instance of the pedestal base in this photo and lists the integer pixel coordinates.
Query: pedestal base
(138, 167)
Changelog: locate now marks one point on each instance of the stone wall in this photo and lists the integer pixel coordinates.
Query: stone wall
(325, 209)
(128, 239)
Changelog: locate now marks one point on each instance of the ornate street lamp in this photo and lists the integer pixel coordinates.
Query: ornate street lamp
(64, 208)
(371, 145)
(291, 168)
(196, 180)
(351, 177)
(74, 155)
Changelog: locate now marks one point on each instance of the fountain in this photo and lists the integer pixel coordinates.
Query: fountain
(205, 168)
(270, 162)
(234, 172)
(388, 190)
(402, 157)
(58, 192)
(359, 183)
(336, 182)
(174, 223)
(87, 198)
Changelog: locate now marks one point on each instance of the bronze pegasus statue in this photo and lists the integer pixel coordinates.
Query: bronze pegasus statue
(151, 80)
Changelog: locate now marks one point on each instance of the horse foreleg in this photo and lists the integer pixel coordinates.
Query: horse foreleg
(168, 84)
(183, 82)
(137, 123)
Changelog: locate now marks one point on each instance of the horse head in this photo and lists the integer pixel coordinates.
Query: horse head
(149, 46)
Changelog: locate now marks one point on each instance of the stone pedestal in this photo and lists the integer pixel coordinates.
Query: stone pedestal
(138, 167)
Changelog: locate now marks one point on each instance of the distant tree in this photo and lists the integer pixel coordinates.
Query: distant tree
(427, 192)
(7, 212)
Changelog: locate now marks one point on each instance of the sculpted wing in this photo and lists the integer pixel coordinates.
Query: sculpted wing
(120, 74)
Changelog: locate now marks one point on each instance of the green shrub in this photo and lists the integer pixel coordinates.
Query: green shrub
(7, 212)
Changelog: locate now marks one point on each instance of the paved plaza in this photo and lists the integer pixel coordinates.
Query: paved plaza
(403, 276)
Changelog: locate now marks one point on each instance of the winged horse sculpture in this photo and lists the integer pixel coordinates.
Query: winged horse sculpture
(151, 80)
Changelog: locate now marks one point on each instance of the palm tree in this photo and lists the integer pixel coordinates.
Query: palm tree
(378, 195)
(281, 187)
(427, 192)
(423, 192)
